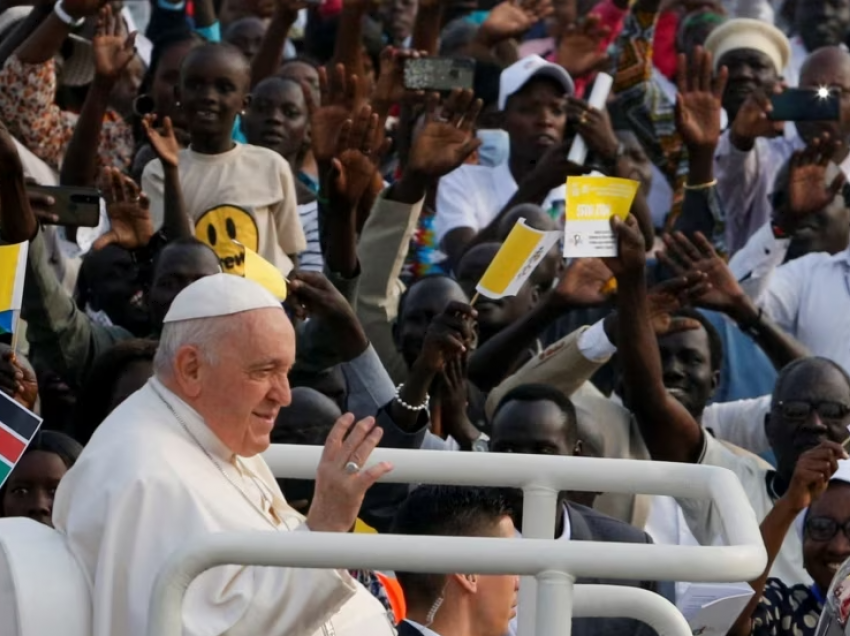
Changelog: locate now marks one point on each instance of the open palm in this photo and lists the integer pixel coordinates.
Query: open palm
(445, 141)
(112, 51)
(579, 47)
(698, 104)
(686, 257)
(164, 142)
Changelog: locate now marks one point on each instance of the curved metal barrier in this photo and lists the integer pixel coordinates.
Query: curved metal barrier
(551, 567)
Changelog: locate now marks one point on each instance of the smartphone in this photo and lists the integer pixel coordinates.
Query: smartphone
(74, 206)
(805, 104)
(439, 74)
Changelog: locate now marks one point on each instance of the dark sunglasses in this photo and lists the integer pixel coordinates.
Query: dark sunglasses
(801, 409)
(825, 528)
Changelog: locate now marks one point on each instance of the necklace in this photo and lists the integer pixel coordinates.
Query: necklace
(267, 501)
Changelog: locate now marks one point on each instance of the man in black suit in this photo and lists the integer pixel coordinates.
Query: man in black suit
(456, 604)
(538, 419)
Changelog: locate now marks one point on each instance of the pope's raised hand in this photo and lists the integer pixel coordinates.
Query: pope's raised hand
(341, 481)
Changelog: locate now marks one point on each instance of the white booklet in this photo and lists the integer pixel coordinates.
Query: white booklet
(712, 608)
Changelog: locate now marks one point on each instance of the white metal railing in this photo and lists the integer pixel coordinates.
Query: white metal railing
(551, 567)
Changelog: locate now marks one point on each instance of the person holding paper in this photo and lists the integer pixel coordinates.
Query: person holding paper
(818, 502)
(810, 405)
(532, 96)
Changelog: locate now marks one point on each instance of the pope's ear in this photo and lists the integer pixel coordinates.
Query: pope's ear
(187, 370)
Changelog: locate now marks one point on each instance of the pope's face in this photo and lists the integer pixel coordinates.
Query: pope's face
(244, 384)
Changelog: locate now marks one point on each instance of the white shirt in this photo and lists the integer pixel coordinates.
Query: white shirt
(146, 484)
(809, 298)
(472, 196)
(741, 423)
(705, 523)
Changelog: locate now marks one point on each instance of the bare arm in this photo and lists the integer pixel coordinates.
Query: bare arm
(112, 53)
(810, 480)
(268, 58)
(23, 31)
(669, 431)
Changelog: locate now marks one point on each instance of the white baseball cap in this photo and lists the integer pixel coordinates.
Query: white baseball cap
(519, 73)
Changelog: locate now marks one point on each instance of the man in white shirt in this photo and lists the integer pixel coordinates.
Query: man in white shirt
(456, 604)
(532, 94)
(180, 459)
(811, 403)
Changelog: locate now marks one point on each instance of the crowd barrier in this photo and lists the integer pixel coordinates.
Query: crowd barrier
(549, 568)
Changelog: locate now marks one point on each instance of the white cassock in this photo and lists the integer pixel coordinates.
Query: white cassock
(153, 477)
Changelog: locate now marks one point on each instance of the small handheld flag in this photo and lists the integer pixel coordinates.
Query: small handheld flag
(13, 260)
(245, 262)
(18, 426)
(521, 252)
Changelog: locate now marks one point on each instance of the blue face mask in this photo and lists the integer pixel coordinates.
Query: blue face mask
(495, 147)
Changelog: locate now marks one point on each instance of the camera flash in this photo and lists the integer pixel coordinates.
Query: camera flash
(823, 92)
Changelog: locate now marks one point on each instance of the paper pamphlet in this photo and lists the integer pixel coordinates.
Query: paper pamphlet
(591, 202)
(712, 608)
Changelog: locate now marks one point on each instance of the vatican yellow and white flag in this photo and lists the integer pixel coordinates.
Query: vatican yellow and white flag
(521, 252)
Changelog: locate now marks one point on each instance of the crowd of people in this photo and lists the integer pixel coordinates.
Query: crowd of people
(716, 336)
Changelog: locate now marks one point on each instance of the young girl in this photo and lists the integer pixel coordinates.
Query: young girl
(30, 488)
(232, 192)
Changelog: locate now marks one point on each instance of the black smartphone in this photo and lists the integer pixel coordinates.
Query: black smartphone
(74, 206)
(806, 104)
(439, 74)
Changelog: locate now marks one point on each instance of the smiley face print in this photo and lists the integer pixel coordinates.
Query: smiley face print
(221, 226)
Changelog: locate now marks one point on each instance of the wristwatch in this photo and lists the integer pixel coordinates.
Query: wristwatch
(65, 17)
(481, 444)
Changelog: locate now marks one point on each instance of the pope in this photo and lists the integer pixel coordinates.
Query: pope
(181, 458)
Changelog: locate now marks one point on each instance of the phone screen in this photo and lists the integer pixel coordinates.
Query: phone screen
(438, 73)
(805, 104)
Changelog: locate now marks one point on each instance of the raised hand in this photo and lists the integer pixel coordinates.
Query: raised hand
(358, 153)
(630, 261)
(341, 482)
(341, 97)
(511, 20)
(698, 103)
(17, 380)
(595, 128)
(129, 212)
(112, 51)
(753, 120)
(723, 292)
(582, 283)
(448, 137)
(665, 299)
(812, 473)
(450, 335)
(669, 297)
(389, 89)
(579, 47)
(808, 191)
(164, 141)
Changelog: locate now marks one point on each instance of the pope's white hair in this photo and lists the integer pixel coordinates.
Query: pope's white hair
(206, 334)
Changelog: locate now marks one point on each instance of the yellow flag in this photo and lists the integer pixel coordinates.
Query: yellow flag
(591, 202)
(245, 262)
(13, 264)
(521, 252)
